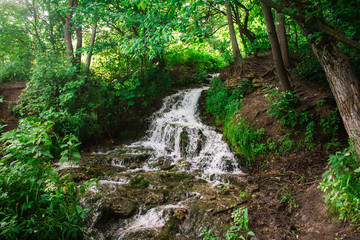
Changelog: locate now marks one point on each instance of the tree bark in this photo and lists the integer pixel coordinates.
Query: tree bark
(280, 68)
(238, 61)
(67, 33)
(92, 42)
(281, 33)
(342, 79)
(238, 22)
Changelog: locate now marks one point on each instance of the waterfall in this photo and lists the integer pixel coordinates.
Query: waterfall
(177, 146)
(177, 135)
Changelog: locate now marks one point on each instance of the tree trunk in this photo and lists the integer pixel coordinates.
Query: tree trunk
(77, 60)
(281, 33)
(238, 61)
(67, 34)
(280, 68)
(78, 30)
(51, 25)
(238, 22)
(92, 42)
(342, 79)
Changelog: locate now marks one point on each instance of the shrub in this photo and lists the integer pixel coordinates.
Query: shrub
(217, 98)
(244, 139)
(17, 71)
(35, 202)
(191, 65)
(283, 107)
(341, 186)
(238, 230)
(59, 93)
(221, 102)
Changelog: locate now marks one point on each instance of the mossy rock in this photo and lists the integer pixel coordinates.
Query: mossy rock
(117, 207)
(139, 181)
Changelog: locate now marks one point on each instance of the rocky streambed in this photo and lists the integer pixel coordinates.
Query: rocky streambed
(171, 184)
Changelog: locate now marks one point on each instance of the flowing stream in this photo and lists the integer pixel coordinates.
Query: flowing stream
(177, 149)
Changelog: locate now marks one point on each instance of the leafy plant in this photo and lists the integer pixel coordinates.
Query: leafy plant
(15, 71)
(287, 197)
(286, 144)
(341, 186)
(330, 125)
(309, 135)
(240, 229)
(283, 107)
(244, 139)
(207, 234)
(35, 202)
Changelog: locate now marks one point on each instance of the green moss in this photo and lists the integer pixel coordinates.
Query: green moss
(139, 182)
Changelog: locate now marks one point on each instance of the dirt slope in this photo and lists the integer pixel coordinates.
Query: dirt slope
(297, 173)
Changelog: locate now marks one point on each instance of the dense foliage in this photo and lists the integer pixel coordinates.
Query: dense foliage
(341, 186)
(35, 202)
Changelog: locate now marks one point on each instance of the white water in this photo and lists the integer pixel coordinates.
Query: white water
(178, 117)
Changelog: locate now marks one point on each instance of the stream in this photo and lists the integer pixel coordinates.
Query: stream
(179, 178)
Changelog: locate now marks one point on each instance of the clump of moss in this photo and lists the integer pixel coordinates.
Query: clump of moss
(139, 182)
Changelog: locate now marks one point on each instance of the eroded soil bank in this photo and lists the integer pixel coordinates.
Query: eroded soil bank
(286, 202)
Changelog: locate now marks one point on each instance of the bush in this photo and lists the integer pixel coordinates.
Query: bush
(191, 66)
(283, 107)
(35, 202)
(244, 139)
(341, 186)
(18, 71)
(221, 102)
(309, 68)
(217, 98)
(59, 93)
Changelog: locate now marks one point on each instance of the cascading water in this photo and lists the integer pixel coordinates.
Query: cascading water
(177, 140)
(177, 134)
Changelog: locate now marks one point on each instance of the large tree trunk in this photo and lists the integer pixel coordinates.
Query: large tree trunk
(92, 42)
(281, 33)
(238, 61)
(280, 68)
(67, 33)
(342, 79)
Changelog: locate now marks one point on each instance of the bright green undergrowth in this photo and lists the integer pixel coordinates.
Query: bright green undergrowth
(35, 201)
(191, 65)
(341, 186)
(285, 107)
(224, 104)
(244, 138)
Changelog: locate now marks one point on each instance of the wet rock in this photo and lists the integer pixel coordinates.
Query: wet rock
(127, 159)
(168, 167)
(154, 198)
(117, 207)
(85, 173)
(139, 181)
